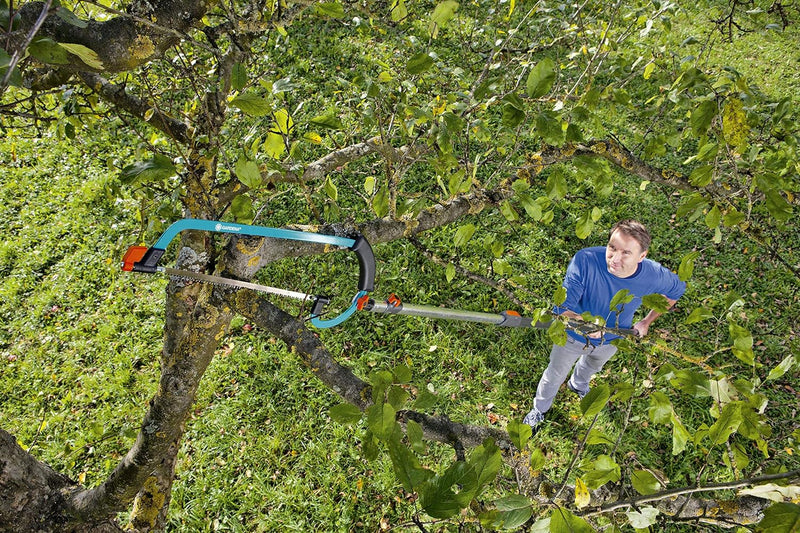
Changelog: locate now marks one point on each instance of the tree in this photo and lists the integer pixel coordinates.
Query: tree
(575, 100)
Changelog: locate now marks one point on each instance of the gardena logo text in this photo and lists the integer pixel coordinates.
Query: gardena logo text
(222, 227)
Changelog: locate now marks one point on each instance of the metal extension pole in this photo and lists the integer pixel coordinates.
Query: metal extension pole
(393, 306)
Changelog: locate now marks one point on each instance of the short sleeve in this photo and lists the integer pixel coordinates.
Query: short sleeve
(574, 282)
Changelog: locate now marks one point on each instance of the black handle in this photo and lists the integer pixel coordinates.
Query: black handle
(366, 264)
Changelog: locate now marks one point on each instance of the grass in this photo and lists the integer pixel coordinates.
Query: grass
(80, 344)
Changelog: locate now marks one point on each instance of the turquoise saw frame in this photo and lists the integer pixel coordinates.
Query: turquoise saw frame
(144, 259)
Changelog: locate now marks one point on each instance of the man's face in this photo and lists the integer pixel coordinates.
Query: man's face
(623, 255)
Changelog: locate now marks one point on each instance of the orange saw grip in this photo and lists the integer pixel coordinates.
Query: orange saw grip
(133, 255)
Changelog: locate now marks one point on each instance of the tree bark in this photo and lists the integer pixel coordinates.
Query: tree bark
(121, 43)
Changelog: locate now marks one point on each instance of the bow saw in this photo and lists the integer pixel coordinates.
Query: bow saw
(145, 259)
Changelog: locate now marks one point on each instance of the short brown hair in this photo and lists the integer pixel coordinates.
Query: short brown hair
(635, 229)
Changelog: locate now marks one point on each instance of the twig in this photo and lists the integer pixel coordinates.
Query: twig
(19, 51)
(575, 456)
(690, 490)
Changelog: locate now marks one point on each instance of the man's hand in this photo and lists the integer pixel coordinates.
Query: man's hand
(641, 328)
(575, 316)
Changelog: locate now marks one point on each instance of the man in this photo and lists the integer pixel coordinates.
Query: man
(594, 276)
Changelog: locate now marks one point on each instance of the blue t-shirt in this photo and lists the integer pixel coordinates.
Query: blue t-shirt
(591, 287)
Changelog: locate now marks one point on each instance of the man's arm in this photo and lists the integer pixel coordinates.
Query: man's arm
(643, 325)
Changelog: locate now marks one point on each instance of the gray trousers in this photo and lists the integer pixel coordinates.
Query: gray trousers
(588, 361)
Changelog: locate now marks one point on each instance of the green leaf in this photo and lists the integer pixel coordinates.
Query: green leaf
(532, 207)
(595, 400)
(438, 500)
(702, 115)
(680, 435)
(399, 10)
(620, 300)
(381, 420)
(87, 55)
(274, 145)
(727, 423)
(605, 470)
(415, 436)
(691, 382)
(158, 168)
(5, 61)
(442, 14)
(645, 482)
(450, 272)
(686, 268)
(369, 446)
(251, 104)
(742, 343)
(754, 425)
(248, 173)
(557, 333)
(643, 518)
(425, 400)
(486, 460)
(702, 175)
(623, 391)
(584, 226)
(369, 185)
(692, 206)
(47, 50)
(282, 121)
(520, 433)
(777, 205)
(380, 202)
(656, 302)
(563, 521)
(333, 10)
(556, 187)
(660, 410)
(538, 460)
(397, 397)
(329, 121)
(242, 208)
(513, 510)
(462, 476)
(70, 18)
(597, 437)
(402, 374)
(732, 218)
(512, 116)
(238, 77)
(734, 124)
(541, 78)
(406, 466)
(345, 414)
(463, 235)
(419, 63)
(508, 211)
(714, 217)
(560, 295)
(698, 315)
(548, 126)
(330, 189)
(782, 368)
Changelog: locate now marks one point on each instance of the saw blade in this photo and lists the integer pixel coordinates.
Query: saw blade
(238, 284)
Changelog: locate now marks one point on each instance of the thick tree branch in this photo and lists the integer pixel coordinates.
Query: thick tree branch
(117, 96)
(308, 346)
(122, 43)
(196, 320)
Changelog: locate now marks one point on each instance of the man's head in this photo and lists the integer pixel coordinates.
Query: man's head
(628, 243)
